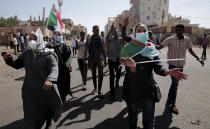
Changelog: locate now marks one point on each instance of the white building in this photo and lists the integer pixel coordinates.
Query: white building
(108, 25)
(149, 12)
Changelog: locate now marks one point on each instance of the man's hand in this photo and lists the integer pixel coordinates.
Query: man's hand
(178, 74)
(112, 27)
(120, 26)
(201, 61)
(6, 56)
(47, 85)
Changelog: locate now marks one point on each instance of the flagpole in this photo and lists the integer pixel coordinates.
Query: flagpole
(163, 60)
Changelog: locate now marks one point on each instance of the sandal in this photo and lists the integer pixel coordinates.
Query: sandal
(100, 95)
(174, 109)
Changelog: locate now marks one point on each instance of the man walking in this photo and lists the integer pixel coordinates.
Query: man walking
(63, 52)
(114, 45)
(97, 58)
(177, 46)
(204, 43)
(82, 60)
(74, 46)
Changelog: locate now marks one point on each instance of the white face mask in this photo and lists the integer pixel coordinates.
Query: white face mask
(32, 44)
(142, 37)
(60, 39)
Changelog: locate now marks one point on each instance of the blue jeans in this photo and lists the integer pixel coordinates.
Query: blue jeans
(174, 86)
(148, 110)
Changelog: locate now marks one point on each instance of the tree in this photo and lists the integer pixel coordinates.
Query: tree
(75, 32)
(8, 22)
(170, 17)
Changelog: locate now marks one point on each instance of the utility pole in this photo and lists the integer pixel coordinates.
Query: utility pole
(60, 3)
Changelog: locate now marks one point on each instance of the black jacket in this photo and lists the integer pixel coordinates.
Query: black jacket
(137, 85)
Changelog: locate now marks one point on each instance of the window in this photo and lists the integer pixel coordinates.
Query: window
(149, 8)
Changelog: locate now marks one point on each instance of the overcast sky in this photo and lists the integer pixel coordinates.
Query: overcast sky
(96, 12)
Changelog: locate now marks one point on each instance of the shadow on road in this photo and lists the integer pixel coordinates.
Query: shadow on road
(117, 122)
(86, 107)
(14, 125)
(164, 121)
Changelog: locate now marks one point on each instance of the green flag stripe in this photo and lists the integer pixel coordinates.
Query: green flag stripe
(52, 20)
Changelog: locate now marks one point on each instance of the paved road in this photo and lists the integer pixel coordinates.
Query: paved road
(85, 111)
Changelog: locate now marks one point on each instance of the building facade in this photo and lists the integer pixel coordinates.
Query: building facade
(149, 12)
(108, 25)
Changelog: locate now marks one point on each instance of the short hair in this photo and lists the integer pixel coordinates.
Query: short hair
(96, 26)
(82, 33)
(180, 26)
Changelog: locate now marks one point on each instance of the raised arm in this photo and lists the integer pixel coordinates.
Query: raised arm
(17, 64)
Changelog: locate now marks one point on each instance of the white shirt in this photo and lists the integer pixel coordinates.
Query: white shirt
(15, 41)
(74, 43)
(82, 47)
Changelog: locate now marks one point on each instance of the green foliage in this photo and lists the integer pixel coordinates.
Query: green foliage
(75, 32)
(170, 17)
(8, 22)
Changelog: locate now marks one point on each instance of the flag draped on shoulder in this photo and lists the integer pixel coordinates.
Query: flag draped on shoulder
(132, 48)
(135, 47)
(54, 21)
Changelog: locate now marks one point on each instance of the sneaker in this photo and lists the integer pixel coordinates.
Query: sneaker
(94, 91)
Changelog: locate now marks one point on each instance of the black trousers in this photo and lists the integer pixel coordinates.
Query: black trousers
(83, 70)
(74, 51)
(204, 52)
(114, 67)
(97, 63)
(63, 82)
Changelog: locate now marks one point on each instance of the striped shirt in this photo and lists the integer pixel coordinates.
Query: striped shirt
(177, 49)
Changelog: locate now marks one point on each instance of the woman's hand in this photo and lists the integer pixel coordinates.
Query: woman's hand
(47, 85)
(129, 63)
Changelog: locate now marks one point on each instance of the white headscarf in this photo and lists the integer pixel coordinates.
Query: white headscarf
(41, 45)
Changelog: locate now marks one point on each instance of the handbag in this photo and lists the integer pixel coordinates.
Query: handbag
(156, 93)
